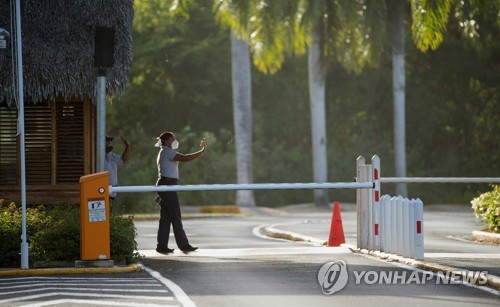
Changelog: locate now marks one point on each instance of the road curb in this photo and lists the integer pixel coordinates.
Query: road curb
(68, 271)
(484, 236)
(291, 236)
(492, 280)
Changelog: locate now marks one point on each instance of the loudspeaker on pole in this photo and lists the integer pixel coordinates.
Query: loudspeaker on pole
(104, 47)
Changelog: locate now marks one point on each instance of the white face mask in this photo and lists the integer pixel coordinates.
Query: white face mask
(175, 144)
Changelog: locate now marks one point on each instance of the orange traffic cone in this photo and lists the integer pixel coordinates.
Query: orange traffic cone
(336, 231)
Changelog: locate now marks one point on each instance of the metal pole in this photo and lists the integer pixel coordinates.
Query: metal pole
(251, 186)
(20, 86)
(440, 179)
(101, 120)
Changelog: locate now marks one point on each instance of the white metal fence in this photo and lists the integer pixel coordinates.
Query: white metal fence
(394, 224)
(401, 226)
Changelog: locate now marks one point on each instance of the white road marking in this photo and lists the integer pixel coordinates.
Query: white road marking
(79, 278)
(79, 284)
(34, 297)
(171, 235)
(242, 252)
(178, 292)
(66, 302)
(462, 255)
(86, 289)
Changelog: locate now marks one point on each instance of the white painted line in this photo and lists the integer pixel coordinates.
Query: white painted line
(86, 289)
(178, 292)
(462, 255)
(171, 235)
(79, 284)
(70, 302)
(129, 297)
(80, 278)
(249, 252)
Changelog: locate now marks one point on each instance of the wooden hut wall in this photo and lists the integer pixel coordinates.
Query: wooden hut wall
(59, 141)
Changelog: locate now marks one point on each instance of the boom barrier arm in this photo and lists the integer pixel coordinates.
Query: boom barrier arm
(439, 180)
(250, 186)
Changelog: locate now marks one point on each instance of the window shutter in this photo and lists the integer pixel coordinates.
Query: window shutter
(70, 142)
(8, 146)
(38, 142)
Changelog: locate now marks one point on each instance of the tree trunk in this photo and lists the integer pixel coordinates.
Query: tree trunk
(398, 79)
(242, 116)
(317, 76)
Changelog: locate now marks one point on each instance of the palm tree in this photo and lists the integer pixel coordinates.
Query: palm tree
(242, 116)
(429, 19)
(349, 32)
(398, 88)
(242, 99)
(327, 30)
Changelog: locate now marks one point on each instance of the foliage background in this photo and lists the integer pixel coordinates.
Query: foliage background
(181, 81)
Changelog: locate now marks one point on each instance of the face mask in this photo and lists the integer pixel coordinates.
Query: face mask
(175, 144)
(109, 149)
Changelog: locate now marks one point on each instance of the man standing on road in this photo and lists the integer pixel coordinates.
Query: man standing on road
(113, 160)
(168, 174)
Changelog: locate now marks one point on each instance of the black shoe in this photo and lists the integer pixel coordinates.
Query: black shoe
(189, 248)
(164, 250)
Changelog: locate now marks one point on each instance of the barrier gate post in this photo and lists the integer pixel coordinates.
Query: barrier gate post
(94, 217)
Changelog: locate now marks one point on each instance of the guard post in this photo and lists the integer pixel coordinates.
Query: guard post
(94, 221)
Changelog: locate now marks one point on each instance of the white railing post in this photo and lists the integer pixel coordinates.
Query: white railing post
(363, 203)
(385, 222)
(399, 225)
(376, 202)
(406, 227)
(370, 208)
(394, 227)
(412, 228)
(419, 239)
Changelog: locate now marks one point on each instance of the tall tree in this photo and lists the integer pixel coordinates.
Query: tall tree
(398, 88)
(242, 96)
(282, 27)
(317, 79)
(429, 19)
(242, 116)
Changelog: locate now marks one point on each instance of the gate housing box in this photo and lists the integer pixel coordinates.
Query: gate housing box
(94, 217)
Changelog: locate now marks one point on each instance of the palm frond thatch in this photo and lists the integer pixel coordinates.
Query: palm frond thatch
(58, 38)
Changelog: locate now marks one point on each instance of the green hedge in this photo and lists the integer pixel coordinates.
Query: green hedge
(53, 234)
(487, 208)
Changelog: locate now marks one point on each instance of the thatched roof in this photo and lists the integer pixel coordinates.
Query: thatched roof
(58, 47)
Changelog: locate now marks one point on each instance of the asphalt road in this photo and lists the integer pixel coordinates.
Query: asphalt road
(236, 267)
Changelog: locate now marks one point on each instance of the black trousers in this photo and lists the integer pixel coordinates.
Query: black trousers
(170, 214)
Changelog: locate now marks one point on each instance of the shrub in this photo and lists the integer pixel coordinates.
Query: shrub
(54, 234)
(10, 234)
(123, 244)
(487, 208)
